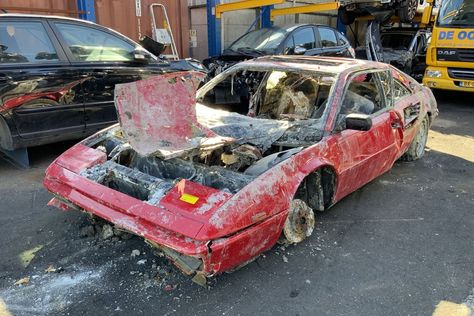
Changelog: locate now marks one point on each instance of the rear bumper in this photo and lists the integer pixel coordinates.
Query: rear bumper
(204, 258)
(445, 82)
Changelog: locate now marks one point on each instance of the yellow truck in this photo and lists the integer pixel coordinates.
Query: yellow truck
(450, 55)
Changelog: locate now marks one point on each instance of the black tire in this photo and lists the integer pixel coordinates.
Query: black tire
(417, 146)
(347, 17)
(407, 10)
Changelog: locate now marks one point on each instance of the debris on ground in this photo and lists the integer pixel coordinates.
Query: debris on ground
(140, 262)
(107, 232)
(285, 259)
(122, 234)
(135, 253)
(87, 231)
(24, 280)
(27, 256)
(52, 269)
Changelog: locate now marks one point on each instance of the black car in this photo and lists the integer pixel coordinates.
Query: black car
(301, 39)
(57, 78)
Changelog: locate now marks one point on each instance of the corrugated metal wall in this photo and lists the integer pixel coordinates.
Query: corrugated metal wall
(120, 15)
(51, 7)
(116, 14)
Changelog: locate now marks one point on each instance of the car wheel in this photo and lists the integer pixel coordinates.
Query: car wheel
(417, 146)
(347, 17)
(299, 224)
(407, 10)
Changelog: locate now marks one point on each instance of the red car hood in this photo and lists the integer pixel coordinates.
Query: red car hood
(158, 115)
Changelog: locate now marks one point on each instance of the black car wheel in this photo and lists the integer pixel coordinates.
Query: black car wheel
(407, 10)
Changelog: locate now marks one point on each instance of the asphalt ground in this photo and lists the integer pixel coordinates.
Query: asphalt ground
(397, 246)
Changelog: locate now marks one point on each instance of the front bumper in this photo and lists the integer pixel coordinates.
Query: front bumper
(445, 82)
(198, 257)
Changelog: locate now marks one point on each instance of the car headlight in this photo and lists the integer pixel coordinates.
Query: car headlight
(433, 73)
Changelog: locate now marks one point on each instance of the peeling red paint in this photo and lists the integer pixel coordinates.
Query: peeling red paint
(172, 126)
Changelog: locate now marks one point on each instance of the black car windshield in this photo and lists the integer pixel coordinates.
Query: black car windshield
(264, 40)
(456, 13)
(396, 41)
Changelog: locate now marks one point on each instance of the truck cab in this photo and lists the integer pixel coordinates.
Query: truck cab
(450, 56)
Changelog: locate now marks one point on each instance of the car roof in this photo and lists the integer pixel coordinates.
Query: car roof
(314, 63)
(64, 18)
(42, 16)
(291, 27)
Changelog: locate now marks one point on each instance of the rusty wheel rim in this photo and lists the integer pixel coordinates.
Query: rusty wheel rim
(299, 223)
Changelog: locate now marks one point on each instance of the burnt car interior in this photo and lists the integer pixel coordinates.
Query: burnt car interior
(362, 95)
(280, 95)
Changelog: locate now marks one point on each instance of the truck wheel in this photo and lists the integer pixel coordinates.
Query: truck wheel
(407, 10)
(417, 146)
(299, 224)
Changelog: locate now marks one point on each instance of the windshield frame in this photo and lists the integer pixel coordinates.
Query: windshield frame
(454, 12)
(231, 71)
(268, 31)
(395, 34)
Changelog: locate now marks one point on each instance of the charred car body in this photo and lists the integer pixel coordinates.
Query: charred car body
(212, 188)
(404, 48)
(57, 78)
(301, 39)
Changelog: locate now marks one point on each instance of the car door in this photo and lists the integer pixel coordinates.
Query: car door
(408, 104)
(40, 93)
(365, 155)
(419, 58)
(303, 37)
(328, 42)
(104, 59)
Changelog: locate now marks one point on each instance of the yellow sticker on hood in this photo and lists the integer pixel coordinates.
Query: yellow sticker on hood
(188, 198)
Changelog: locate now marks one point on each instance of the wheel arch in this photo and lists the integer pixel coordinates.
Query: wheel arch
(324, 176)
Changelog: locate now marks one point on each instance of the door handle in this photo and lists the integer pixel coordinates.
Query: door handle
(396, 123)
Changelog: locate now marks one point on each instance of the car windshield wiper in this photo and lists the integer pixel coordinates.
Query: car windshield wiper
(461, 24)
(250, 50)
(227, 50)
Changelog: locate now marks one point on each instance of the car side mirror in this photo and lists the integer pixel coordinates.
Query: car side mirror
(359, 122)
(299, 50)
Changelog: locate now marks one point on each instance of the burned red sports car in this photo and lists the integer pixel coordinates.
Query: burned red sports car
(214, 184)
